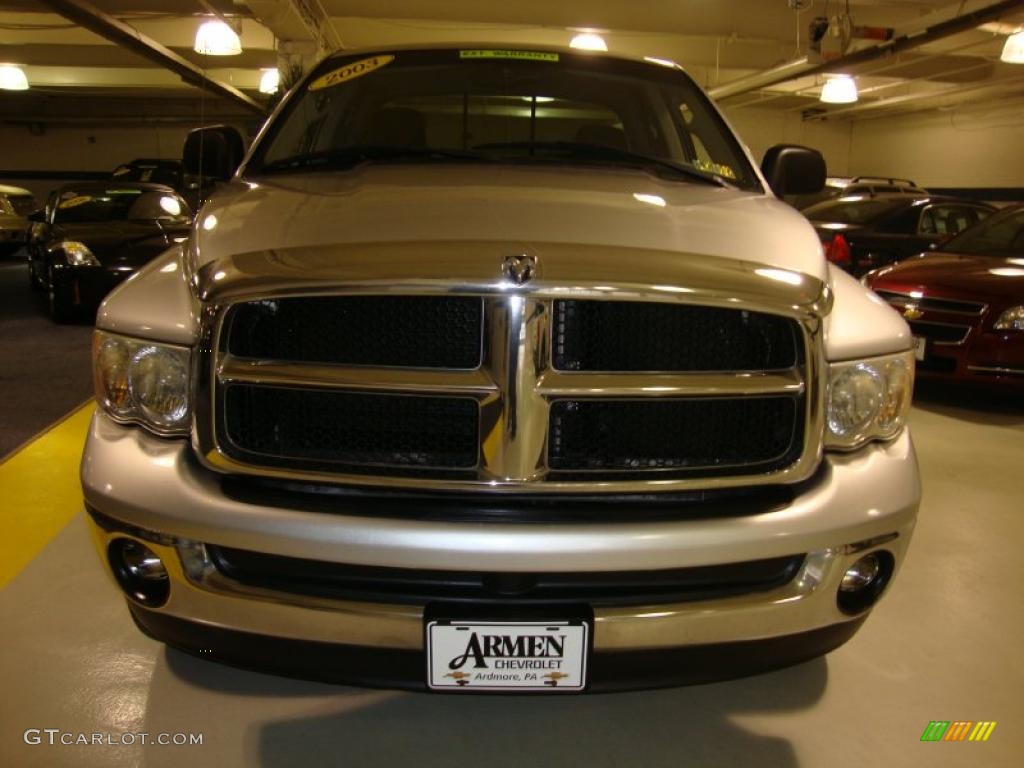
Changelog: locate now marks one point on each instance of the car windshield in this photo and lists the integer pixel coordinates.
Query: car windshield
(852, 211)
(495, 106)
(1001, 234)
(23, 205)
(119, 204)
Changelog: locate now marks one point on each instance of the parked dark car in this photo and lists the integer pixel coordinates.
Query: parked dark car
(844, 186)
(861, 233)
(965, 302)
(93, 235)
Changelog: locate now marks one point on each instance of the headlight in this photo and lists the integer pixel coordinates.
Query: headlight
(77, 254)
(868, 399)
(1011, 320)
(143, 382)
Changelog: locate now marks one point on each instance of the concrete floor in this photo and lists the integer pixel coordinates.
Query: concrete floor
(945, 644)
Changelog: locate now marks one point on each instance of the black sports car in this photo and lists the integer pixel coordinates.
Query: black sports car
(93, 235)
(861, 233)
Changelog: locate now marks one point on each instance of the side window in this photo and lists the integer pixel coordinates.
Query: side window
(929, 222)
(979, 214)
(959, 219)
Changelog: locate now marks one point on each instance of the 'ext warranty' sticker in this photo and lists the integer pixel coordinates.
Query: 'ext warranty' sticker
(493, 54)
(350, 72)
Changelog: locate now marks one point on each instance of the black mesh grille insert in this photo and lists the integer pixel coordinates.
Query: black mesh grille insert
(317, 428)
(640, 336)
(409, 331)
(418, 587)
(737, 435)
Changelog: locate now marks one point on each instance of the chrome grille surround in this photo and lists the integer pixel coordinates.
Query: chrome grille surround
(516, 382)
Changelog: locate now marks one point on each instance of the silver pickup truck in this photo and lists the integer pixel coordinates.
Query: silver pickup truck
(500, 370)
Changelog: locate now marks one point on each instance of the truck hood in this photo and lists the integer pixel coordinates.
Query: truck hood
(524, 207)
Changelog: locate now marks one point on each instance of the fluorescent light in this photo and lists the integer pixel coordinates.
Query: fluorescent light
(1013, 51)
(270, 80)
(839, 90)
(12, 78)
(588, 41)
(215, 38)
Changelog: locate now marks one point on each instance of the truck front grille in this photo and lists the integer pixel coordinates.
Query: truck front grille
(504, 392)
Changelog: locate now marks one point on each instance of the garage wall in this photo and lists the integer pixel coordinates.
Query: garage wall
(965, 147)
(761, 128)
(62, 148)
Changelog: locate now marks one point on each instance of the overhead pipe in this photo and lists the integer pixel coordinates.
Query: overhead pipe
(103, 24)
(803, 67)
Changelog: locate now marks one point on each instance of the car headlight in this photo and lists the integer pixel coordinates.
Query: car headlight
(1011, 320)
(77, 254)
(143, 382)
(868, 400)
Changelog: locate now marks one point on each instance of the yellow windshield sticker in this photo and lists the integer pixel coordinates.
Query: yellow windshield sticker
(718, 168)
(72, 202)
(523, 55)
(350, 72)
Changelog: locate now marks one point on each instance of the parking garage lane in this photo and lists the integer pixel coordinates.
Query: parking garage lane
(44, 367)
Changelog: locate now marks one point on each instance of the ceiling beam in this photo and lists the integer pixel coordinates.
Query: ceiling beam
(103, 24)
(803, 67)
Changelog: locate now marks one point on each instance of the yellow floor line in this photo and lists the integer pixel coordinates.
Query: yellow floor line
(40, 492)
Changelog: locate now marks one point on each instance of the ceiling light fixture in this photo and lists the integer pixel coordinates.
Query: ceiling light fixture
(270, 80)
(12, 78)
(839, 90)
(1013, 50)
(215, 38)
(588, 41)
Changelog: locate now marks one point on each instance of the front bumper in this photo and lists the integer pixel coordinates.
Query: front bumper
(151, 488)
(991, 358)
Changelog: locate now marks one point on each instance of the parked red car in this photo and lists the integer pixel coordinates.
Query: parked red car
(965, 303)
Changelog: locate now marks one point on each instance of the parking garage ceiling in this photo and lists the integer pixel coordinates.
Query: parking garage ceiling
(80, 72)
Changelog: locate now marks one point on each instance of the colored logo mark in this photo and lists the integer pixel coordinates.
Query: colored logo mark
(958, 730)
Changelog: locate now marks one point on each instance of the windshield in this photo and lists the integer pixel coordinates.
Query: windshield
(530, 107)
(852, 211)
(1002, 234)
(98, 204)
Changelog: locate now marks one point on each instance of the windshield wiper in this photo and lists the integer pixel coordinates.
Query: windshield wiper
(601, 153)
(349, 157)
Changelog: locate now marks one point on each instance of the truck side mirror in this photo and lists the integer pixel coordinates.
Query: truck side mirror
(794, 170)
(214, 152)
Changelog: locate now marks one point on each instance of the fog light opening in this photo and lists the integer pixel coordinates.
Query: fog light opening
(864, 581)
(140, 571)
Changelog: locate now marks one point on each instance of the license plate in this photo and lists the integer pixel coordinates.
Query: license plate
(547, 656)
(919, 347)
